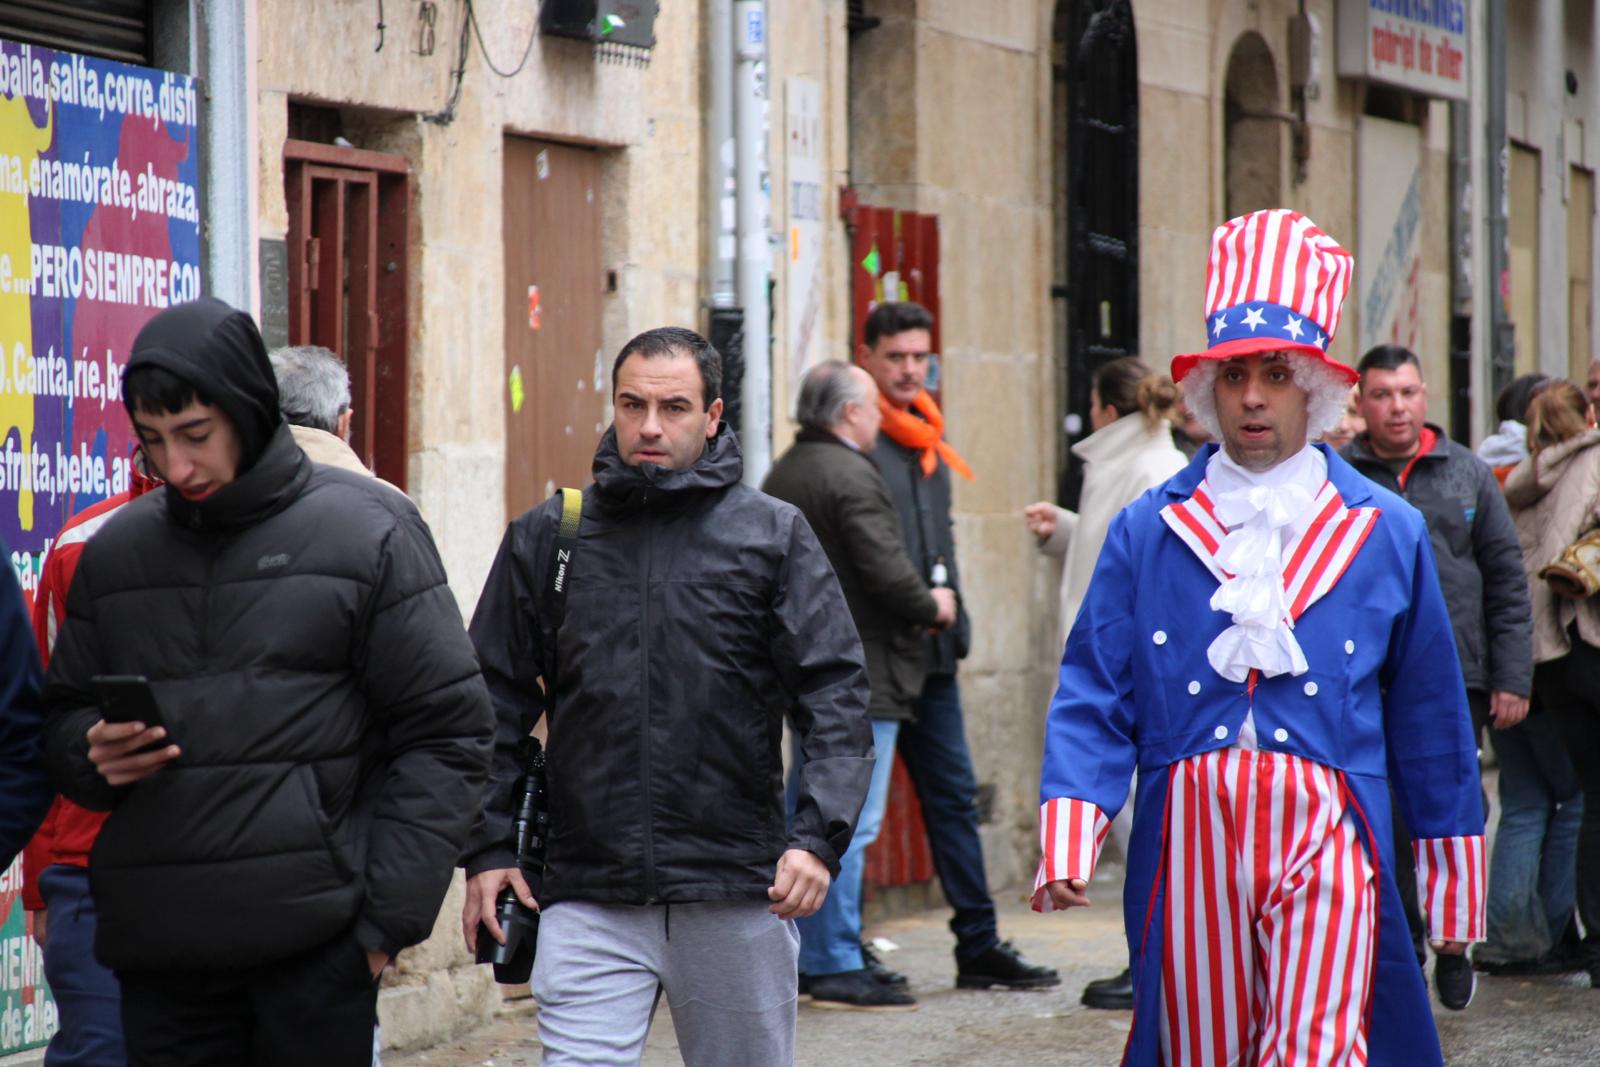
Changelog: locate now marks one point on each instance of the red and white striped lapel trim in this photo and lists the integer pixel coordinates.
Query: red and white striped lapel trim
(1315, 560)
(1318, 558)
(1196, 524)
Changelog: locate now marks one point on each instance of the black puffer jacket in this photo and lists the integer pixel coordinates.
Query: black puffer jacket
(698, 612)
(310, 662)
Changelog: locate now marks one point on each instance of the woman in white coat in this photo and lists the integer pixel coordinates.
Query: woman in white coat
(1130, 451)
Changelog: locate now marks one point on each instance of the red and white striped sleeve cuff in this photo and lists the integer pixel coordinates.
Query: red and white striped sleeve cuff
(1451, 874)
(1070, 835)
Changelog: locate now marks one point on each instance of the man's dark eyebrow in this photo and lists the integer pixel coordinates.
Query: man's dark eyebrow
(181, 427)
(676, 398)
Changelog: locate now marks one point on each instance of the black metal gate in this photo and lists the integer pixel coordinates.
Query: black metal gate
(1102, 200)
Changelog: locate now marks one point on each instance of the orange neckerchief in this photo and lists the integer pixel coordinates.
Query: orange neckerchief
(925, 434)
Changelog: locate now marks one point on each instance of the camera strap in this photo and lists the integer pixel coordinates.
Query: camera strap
(561, 550)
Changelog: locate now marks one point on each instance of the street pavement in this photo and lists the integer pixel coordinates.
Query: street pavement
(1545, 1022)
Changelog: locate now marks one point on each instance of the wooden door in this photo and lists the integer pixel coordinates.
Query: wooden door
(556, 377)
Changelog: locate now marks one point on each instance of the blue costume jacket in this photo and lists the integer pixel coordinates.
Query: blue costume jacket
(1382, 702)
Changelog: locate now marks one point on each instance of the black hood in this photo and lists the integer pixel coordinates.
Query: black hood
(720, 466)
(219, 351)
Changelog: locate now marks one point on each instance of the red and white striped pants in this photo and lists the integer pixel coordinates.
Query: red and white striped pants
(1271, 915)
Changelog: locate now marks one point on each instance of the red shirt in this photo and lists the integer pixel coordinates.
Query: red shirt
(68, 831)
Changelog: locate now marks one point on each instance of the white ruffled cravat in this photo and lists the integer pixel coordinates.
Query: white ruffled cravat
(1262, 511)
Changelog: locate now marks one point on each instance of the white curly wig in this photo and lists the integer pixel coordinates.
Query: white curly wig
(1326, 395)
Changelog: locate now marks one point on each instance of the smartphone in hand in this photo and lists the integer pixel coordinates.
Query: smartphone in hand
(129, 698)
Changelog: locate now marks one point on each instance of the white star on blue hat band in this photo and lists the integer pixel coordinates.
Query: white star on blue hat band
(1258, 318)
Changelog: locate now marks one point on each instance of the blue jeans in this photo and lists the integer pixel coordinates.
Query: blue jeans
(830, 940)
(1532, 874)
(87, 994)
(934, 748)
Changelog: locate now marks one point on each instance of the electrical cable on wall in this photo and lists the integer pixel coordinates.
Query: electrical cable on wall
(472, 17)
(469, 22)
(448, 115)
(381, 26)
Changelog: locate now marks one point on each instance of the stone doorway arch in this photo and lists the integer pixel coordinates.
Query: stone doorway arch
(1253, 122)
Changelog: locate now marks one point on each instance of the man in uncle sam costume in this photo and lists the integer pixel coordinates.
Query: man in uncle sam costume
(1264, 638)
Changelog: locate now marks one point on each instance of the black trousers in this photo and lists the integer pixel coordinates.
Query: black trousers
(315, 1008)
(1570, 690)
(1405, 868)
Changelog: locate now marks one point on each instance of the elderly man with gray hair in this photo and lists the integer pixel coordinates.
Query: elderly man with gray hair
(827, 475)
(314, 392)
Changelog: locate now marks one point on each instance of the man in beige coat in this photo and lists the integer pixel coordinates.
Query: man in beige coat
(314, 390)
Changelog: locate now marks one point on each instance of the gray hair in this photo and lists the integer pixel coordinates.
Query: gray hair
(313, 386)
(824, 392)
(1327, 394)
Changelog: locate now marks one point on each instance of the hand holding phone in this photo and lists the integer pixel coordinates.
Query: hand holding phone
(121, 749)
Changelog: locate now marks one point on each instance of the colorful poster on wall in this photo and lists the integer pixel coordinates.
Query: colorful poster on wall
(99, 230)
(27, 1014)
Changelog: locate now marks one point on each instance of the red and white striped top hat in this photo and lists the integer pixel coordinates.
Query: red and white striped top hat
(1275, 282)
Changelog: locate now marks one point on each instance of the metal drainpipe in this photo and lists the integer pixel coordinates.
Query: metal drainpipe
(721, 228)
(750, 136)
(1497, 154)
(228, 136)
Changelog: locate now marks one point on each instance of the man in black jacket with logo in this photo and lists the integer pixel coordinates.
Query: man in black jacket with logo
(326, 731)
(698, 612)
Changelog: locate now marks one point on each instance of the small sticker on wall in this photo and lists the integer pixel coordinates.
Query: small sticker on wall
(535, 319)
(517, 394)
(541, 164)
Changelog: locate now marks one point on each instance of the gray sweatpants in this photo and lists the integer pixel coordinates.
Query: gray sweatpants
(728, 971)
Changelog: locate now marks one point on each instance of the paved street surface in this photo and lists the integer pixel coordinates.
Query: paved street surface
(1545, 1022)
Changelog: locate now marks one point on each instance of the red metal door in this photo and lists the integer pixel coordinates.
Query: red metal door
(895, 256)
(348, 213)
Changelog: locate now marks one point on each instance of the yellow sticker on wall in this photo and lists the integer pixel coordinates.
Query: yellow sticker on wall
(517, 395)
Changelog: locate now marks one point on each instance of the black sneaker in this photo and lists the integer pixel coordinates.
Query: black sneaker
(875, 967)
(1453, 977)
(857, 991)
(1110, 994)
(1003, 966)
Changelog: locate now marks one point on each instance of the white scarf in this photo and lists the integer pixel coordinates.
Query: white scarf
(1262, 511)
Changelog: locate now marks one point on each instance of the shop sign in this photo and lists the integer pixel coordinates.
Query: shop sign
(1420, 45)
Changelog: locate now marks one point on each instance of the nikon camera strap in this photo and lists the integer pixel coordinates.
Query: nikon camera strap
(565, 543)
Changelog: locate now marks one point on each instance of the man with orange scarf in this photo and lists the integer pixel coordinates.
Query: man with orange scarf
(916, 462)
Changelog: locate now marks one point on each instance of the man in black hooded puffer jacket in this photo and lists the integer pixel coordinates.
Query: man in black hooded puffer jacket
(329, 730)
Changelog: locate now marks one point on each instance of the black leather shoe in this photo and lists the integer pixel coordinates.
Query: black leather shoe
(1003, 966)
(858, 991)
(875, 967)
(1110, 994)
(1453, 977)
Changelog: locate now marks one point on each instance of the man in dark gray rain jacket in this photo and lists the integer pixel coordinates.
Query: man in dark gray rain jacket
(698, 612)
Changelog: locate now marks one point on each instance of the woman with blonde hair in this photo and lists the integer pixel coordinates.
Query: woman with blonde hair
(1554, 496)
(1130, 451)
